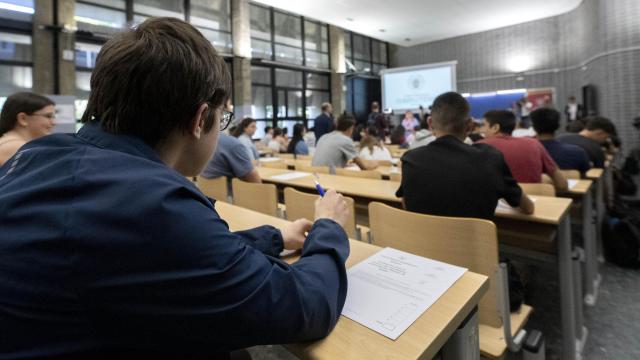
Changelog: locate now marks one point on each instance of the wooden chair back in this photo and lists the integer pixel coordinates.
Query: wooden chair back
(304, 157)
(312, 169)
(571, 174)
(302, 205)
(538, 189)
(367, 174)
(285, 156)
(259, 197)
(471, 243)
(214, 188)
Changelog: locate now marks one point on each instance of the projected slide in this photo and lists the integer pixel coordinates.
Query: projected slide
(410, 87)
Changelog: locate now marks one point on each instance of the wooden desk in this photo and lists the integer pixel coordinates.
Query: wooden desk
(598, 177)
(549, 211)
(350, 340)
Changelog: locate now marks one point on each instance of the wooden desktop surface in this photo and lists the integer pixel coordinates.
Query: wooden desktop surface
(595, 174)
(548, 210)
(350, 340)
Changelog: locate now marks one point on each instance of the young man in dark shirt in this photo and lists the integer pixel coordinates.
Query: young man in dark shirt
(595, 134)
(568, 156)
(449, 178)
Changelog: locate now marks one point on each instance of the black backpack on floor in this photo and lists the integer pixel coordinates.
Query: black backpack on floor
(621, 237)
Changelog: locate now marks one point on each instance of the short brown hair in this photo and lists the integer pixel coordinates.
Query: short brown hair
(450, 113)
(152, 79)
(21, 102)
(345, 121)
(239, 129)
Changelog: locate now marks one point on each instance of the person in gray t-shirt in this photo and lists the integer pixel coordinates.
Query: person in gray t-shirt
(336, 149)
(244, 132)
(231, 159)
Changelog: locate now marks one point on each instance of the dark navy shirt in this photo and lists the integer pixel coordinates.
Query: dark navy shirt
(567, 156)
(322, 124)
(107, 252)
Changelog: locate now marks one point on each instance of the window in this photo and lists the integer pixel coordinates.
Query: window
(15, 64)
(365, 54)
(288, 38)
(15, 47)
(86, 54)
(261, 32)
(212, 18)
(99, 20)
(168, 8)
(316, 44)
(14, 78)
(17, 10)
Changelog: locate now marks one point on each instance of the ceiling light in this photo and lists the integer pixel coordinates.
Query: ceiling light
(518, 64)
(513, 91)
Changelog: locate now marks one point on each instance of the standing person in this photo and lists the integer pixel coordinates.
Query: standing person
(25, 116)
(444, 177)
(374, 114)
(526, 157)
(297, 145)
(573, 110)
(597, 131)
(336, 149)
(108, 251)
(323, 124)
(568, 156)
(244, 132)
(409, 123)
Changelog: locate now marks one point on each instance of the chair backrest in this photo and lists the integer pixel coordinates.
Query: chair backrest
(571, 174)
(214, 188)
(368, 174)
(274, 164)
(302, 205)
(304, 157)
(538, 189)
(285, 156)
(396, 176)
(471, 243)
(259, 197)
(312, 169)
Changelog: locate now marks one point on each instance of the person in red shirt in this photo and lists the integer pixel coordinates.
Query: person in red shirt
(526, 157)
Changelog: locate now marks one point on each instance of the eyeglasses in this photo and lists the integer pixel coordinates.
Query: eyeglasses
(227, 117)
(49, 116)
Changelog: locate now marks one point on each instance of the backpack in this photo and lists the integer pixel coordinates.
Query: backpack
(621, 237)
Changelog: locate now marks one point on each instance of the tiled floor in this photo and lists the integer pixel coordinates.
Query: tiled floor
(614, 323)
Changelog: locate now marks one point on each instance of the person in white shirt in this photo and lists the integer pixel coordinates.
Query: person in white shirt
(268, 135)
(371, 148)
(278, 144)
(522, 130)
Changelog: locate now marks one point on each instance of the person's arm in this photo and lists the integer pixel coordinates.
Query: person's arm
(189, 282)
(351, 153)
(365, 164)
(559, 180)
(550, 168)
(526, 204)
(241, 164)
(508, 188)
(251, 176)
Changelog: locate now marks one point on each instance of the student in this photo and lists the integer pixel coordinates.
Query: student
(310, 138)
(244, 132)
(268, 135)
(108, 251)
(595, 134)
(297, 145)
(475, 133)
(523, 130)
(397, 136)
(371, 148)
(25, 116)
(278, 143)
(231, 158)
(323, 124)
(527, 158)
(336, 149)
(450, 178)
(409, 123)
(568, 156)
(424, 136)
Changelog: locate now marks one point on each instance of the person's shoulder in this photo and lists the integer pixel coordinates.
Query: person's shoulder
(483, 149)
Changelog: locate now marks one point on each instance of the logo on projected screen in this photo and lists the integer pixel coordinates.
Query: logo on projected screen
(415, 82)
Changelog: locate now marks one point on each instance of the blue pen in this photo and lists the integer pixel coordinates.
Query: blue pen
(318, 186)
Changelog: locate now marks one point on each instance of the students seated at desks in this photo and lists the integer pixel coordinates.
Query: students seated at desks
(397, 137)
(108, 251)
(546, 122)
(523, 129)
(297, 145)
(336, 148)
(450, 178)
(595, 134)
(244, 132)
(278, 144)
(25, 116)
(372, 148)
(268, 135)
(526, 157)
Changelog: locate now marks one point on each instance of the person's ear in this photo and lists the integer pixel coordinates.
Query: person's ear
(21, 119)
(469, 126)
(430, 122)
(495, 128)
(196, 125)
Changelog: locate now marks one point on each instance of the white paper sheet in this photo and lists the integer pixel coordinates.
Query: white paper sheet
(290, 175)
(504, 207)
(269, 159)
(391, 289)
(572, 183)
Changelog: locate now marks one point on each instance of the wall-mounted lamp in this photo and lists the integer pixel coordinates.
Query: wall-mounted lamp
(518, 64)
